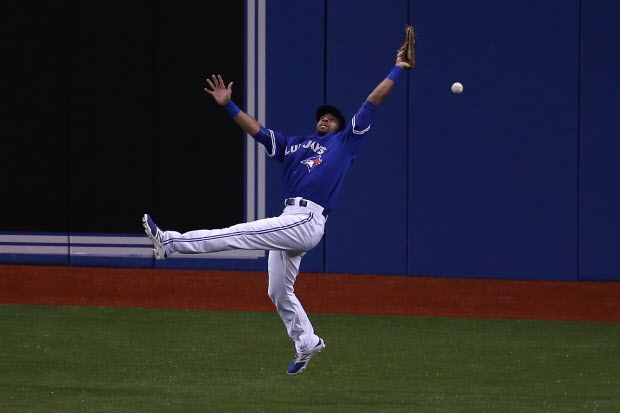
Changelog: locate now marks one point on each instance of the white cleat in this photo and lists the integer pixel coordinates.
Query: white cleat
(155, 235)
(301, 360)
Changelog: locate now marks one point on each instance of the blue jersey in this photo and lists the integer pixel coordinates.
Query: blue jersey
(315, 166)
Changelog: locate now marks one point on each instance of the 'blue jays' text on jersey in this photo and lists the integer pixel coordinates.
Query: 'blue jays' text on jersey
(315, 166)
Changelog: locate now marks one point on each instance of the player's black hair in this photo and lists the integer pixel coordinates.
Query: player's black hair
(322, 110)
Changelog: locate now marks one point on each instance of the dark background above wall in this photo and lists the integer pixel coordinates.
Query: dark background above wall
(108, 118)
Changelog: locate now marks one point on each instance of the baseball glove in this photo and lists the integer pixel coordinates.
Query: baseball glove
(407, 50)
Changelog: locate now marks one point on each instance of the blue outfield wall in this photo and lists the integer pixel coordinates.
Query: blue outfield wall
(515, 178)
(367, 232)
(599, 143)
(494, 171)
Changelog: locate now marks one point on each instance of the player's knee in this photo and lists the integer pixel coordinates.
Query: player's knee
(272, 292)
(276, 292)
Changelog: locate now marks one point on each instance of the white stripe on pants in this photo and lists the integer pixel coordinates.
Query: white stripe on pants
(287, 237)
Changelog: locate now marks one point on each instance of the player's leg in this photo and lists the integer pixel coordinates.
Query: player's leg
(283, 271)
(293, 231)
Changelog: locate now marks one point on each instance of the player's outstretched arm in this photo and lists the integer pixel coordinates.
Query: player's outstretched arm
(222, 95)
(383, 89)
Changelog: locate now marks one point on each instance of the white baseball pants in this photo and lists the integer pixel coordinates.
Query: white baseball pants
(287, 238)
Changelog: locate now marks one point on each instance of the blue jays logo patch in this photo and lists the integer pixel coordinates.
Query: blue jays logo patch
(312, 162)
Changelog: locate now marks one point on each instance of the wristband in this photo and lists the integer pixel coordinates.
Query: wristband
(394, 73)
(232, 109)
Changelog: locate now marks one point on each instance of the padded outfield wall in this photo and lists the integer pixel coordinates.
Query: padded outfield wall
(515, 178)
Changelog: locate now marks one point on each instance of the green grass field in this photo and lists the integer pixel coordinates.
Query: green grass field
(67, 359)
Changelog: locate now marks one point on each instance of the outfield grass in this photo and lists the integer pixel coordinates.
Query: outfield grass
(67, 359)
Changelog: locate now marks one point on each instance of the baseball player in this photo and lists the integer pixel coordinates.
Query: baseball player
(314, 167)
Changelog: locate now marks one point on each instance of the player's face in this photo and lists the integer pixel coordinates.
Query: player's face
(328, 123)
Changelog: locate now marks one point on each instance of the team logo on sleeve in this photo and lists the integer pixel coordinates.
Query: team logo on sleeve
(312, 162)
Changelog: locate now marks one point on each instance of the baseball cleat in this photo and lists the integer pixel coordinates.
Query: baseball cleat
(155, 235)
(301, 360)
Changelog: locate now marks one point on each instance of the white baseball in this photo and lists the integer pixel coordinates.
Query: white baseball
(457, 88)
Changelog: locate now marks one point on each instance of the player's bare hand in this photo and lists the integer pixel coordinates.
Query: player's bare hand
(220, 92)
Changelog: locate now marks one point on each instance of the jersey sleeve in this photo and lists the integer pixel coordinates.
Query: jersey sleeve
(359, 126)
(363, 118)
(273, 141)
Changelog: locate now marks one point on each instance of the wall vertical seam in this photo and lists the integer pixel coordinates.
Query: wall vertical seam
(578, 258)
(324, 101)
(409, 164)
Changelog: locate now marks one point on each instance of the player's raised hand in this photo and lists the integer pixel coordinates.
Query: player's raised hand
(220, 92)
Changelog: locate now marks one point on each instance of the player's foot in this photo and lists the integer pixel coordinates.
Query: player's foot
(301, 360)
(155, 235)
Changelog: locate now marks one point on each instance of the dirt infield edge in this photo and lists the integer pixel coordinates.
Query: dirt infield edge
(320, 293)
